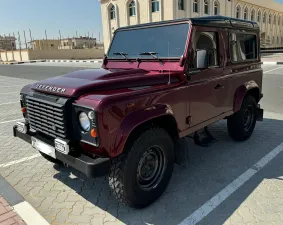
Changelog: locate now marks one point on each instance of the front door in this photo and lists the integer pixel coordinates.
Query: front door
(207, 88)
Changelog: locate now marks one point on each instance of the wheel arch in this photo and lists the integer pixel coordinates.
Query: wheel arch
(248, 88)
(141, 120)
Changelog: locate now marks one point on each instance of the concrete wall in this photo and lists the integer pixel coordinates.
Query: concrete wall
(26, 55)
(67, 54)
(14, 56)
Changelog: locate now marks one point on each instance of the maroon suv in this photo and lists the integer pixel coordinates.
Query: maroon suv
(159, 82)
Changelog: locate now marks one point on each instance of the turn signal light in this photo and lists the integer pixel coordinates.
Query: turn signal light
(24, 109)
(93, 133)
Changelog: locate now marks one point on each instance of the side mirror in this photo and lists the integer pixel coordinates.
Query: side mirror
(182, 61)
(202, 59)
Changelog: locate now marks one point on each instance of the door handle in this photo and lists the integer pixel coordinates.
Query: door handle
(219, 86)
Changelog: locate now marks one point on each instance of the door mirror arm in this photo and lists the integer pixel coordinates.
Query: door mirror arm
(182, 61)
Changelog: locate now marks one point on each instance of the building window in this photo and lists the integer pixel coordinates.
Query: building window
(206, 7)
(274, 20)
(277, 40)
(253, 15)
(279, 20)
(281, 40)
(112, 12)
(238, 12)
(132, 8)
(154, 6)
(51, 45)
(216, 8)
(264, 17)
(269, 19)
(243, 47)
(181, 5)
(195, 6)
(246, 14)
(259, 16)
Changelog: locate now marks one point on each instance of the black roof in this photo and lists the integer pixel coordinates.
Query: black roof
(214, 21)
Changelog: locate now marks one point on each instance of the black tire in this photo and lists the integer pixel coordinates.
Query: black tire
(127, 169)
(50, 159)
(239, 127)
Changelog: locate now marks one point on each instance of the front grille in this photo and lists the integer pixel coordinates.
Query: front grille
(46, 117)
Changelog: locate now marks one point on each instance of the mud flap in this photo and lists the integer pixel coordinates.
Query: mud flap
(259, 113)
(182, 152)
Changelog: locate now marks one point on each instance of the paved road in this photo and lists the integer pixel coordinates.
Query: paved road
(205, 187)
(39, 71)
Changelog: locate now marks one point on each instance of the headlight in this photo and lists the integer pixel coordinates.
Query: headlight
(84, 121)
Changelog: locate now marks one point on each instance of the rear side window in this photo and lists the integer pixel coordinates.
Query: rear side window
(243, 47)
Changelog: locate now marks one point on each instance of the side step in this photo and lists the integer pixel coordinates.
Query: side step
(204, 138)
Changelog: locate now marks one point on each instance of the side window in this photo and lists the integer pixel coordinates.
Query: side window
(243, 47)
(208, 41)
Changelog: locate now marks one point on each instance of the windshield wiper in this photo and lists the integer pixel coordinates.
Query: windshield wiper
(123, 54)
(153, 54)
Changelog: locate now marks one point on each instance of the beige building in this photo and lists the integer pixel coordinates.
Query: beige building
(44, 44)
(7, 42)
(78, 43)
(119, 13)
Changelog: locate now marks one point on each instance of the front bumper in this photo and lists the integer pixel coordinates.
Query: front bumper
(83, 163)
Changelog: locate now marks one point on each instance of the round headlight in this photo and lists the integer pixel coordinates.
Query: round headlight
(84, 121)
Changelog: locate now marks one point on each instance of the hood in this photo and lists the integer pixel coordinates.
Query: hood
(81, 82)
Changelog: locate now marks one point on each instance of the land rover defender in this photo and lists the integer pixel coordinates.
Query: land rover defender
(158, 83)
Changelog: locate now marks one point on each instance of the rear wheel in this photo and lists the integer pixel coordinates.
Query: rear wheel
(139, 176)
(241, 125)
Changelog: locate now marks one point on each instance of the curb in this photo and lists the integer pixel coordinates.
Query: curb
(80, 61)
(52, 60)
(28, 214)
(272, 63)
(21, 62)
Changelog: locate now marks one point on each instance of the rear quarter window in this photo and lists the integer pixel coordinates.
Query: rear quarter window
(243, 47)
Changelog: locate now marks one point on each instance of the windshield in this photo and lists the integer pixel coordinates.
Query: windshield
(165, 41)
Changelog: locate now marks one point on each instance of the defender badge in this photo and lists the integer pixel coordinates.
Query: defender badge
(50, 88)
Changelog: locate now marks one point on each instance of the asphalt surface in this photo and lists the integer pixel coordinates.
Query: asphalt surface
(40, 71)
(64, 196)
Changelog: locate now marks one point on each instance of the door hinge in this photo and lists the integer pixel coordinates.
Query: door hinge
(189, 120)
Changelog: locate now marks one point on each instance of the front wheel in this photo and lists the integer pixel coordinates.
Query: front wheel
(140, 175)
(241, 125)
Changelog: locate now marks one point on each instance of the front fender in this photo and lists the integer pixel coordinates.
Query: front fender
(132, 121)
(241, 93)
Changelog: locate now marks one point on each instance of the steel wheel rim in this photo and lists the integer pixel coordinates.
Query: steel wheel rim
(151, 168)
(248, 118)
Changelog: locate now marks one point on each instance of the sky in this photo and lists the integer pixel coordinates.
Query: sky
(68, 16)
